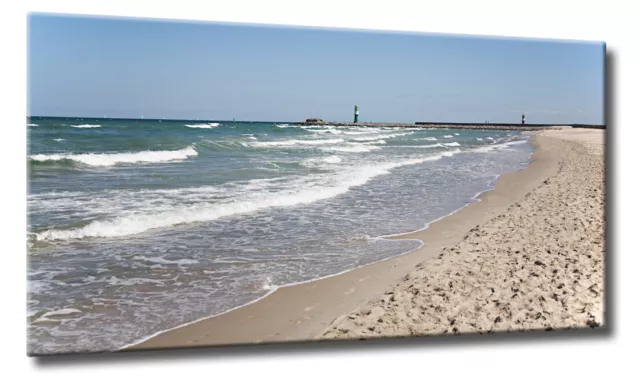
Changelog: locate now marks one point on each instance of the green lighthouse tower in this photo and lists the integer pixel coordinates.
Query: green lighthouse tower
(355, 114)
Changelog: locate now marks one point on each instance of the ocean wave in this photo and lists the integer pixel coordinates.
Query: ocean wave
(297, 142)
(422, 146)
(354, 148)
(498, 146)
(378, 142)
(203, 125)
(110, 159)
(377, 137)
(451, 144)
(447, 136)
(86, 126)
(320, 161)
(363, 131)
(59, 139)
(31, 124)
(305, 191)
(324, 131)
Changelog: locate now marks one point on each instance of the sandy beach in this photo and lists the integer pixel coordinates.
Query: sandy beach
(537, 266)
(529, 255)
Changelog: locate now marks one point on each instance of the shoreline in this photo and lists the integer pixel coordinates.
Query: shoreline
(538, 266)
(303, 311)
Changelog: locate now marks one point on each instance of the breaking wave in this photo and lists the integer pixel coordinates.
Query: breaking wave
(305, 191)
(319, 161)
(110, 159)
(203, 125)
(85, 126)
(296, 142)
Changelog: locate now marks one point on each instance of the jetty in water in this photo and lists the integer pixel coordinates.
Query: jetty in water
(454, 125)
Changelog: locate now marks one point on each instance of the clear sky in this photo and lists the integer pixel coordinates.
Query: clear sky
(91, 67)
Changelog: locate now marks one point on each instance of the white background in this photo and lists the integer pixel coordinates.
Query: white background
(526, 359)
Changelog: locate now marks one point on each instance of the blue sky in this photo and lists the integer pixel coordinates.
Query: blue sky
(91, 67)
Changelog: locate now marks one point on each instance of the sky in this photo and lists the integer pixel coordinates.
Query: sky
(132, 68)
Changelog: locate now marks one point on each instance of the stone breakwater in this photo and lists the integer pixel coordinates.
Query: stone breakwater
(538, 266)
(460, 126)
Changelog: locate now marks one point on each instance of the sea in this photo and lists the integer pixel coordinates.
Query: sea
(139, 226)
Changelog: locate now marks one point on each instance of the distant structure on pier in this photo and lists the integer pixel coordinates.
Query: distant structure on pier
(524, 121)
(355, 114)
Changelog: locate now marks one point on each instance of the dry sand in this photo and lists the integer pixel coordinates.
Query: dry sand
(528, 255)
(540, 265)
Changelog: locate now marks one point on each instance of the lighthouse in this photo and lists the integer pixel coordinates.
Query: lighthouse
(355, 114)
(523, 119)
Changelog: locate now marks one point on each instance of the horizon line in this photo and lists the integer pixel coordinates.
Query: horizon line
(325, 122)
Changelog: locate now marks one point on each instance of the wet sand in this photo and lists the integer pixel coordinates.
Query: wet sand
(528, 255)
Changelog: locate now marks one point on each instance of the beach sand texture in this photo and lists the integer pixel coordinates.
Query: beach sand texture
(540, 265)
(528, 255)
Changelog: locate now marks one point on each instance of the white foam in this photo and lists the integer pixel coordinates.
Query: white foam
(447, 136)
(31, 124)
(85, 126)
(110, 159)
(378, 142)
(297, 142)
(355, 148)
(203, 125)
(377, 137)
(283, 126)
(59, 139)
(362, 132)
(456, 134)
(305, 191)
(325, 131)
(451, 153)
(64, 311)
(451, 144)
(267, 285)
(430, 139)
(499, 146)
(115, 281)
(422, 146)
(319, 161)
(160, 260)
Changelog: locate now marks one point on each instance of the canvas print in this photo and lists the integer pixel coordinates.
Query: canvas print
(197, 184)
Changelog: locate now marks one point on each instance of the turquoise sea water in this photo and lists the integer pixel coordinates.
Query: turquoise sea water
(139, 226)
